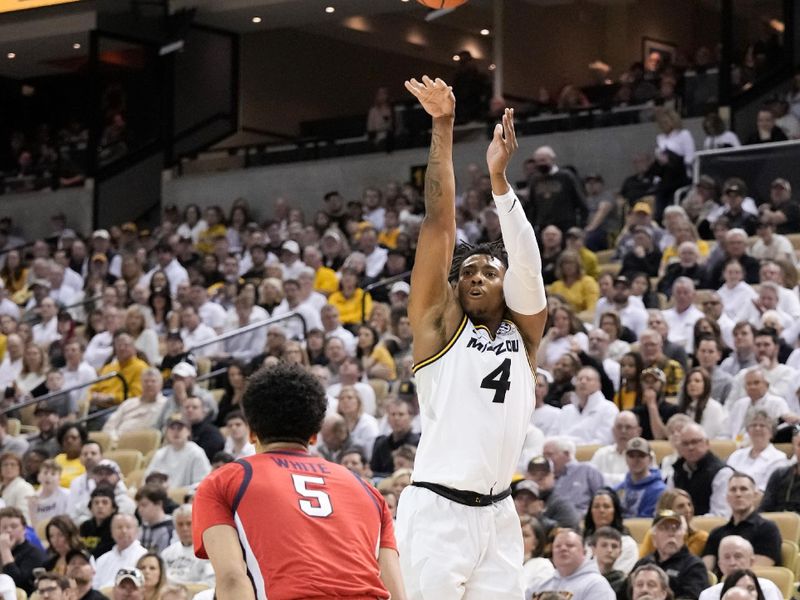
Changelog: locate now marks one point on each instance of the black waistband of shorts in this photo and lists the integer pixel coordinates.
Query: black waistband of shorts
(464, 497)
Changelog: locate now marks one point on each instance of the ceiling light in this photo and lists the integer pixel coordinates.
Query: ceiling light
(11, 56)
(76, 46)
(256, 19)
(492, 67)
(456, 57)
(484, 32)
(329, 9)
(403, 0)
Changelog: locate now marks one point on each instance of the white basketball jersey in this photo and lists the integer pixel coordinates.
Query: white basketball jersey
(476, 399)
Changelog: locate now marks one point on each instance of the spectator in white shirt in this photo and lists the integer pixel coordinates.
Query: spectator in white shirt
(374, 254)
(170, 266)
(46, 332)
(293, 301)
(76, 371)
(735, 292)
(60, 291)
(681, 318)
(362, 427)
(194, 332)
(332, 327)
(351, 373)
(51, 500)
(761, 458)
(184, 461)
(771, 245)
(788, 300)
(599, 341)
(713, 309)
(757, 387)
(783, 380)
(546, 417)
(248, 345)
(737, 553)
(290, 259)
(211, 313)
(610, 460)
(126, 551)
(697, 402)
(11, 366)
(100, 347)
(145, 339)
(137, 414)
(237, 442)
(630, 309)
(768, 298)
(181, 565)
(588, 419)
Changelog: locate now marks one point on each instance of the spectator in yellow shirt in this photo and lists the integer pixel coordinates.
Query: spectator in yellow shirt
(110, 392)
(71, 438)
(574, 239)
(579, 290)
(325, 280)
(391, 229)
(375, 358)
(351, 300)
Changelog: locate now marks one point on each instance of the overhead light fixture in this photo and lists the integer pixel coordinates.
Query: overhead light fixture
(403, 0)
(256, 19)
(485, 32)
(492, 67)
(11, 56)
(329, 9)
(76, 46)
(456, 57)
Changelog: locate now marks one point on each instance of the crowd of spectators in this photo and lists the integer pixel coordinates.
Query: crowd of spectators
(689, 336)
(44, 159)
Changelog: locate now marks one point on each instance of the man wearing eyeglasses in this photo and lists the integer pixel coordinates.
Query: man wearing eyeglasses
(52, 586)
(701, 473)
(687, 573)
(713, 309)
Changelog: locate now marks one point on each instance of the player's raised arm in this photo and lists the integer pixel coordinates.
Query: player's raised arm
(523, 286)
(430, 291)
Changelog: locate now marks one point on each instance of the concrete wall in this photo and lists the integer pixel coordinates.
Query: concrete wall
(607, 151)
(31, 212)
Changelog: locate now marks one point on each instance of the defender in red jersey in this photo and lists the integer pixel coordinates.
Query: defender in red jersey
(285, 525)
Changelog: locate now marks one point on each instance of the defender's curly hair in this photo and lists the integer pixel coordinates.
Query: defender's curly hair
(284, 403)
(464, 250)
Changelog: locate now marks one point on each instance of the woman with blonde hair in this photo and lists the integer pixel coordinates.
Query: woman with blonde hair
(145, 338)
(295, 354)
(363, 427)
(580, 290)
(680, 501)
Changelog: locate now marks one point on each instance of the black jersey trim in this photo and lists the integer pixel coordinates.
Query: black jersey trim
(443, 351)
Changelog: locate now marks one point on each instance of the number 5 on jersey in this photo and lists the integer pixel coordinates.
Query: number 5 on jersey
(498, 380)
(315, 503)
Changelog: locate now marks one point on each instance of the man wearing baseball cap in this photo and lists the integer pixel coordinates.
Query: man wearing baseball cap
(128, 585)
(80, 569)
(641, 215)
(642, 486)
(687, 573)
(781, 211)
(654, 411)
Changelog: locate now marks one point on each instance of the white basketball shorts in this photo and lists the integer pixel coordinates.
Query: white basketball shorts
(449, 551)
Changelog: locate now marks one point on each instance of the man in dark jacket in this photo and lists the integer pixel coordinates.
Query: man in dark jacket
(687, 573)
(399, 416)
(204, 433)
(96, 532)
(556, 196)
(17, 555)
(701, 473)
(783, 487)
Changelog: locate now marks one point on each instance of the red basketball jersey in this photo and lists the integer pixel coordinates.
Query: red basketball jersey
(308, 528)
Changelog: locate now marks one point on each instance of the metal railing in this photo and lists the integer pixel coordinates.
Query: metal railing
(251, 327)
(57, 393)
(34, 318)
(377, 284)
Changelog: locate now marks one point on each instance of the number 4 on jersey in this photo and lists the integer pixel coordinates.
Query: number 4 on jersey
(498, 380)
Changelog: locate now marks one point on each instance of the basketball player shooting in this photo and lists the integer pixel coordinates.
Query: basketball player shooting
(477, 318)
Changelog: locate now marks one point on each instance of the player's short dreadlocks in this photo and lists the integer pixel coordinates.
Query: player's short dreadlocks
(464, 250)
